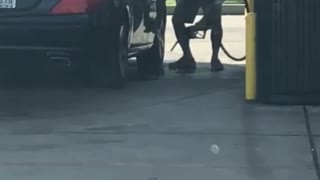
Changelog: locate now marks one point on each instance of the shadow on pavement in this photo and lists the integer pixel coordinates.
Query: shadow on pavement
(19, 72)
(32, 92)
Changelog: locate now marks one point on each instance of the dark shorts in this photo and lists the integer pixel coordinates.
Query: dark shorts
(187, 10)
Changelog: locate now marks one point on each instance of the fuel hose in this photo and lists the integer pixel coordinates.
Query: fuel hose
(246, 3)
(247, 7)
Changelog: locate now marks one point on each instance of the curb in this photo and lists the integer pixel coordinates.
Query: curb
(228, 9)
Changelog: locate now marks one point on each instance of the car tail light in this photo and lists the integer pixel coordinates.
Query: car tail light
(75, 6)
(94, 4)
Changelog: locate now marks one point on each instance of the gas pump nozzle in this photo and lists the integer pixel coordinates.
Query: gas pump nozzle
(193, 32)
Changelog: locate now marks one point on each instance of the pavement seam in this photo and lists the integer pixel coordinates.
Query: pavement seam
(102, 164)
(205, 93)
(169, 133)
(311, 142)
(173, 100)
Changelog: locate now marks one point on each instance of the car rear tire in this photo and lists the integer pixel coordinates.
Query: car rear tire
(150, 62)
(109, 67)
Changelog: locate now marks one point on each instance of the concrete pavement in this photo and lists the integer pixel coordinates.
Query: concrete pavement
(181, 127)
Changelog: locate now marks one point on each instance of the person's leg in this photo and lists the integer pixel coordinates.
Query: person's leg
(216, 35)
(185, 12)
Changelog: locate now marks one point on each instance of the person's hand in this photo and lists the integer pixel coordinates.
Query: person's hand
(193, 32)
(201, 25)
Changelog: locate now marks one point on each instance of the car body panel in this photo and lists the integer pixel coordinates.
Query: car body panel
(32, 28)
(140, 38)
(42, 32)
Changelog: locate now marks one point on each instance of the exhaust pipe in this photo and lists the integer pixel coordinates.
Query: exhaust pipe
(59, 58)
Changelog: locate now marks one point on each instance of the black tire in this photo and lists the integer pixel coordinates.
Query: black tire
(109, 67)
(150, 62)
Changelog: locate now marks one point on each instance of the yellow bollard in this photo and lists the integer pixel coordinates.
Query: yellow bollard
(251, 53)
(251, 5)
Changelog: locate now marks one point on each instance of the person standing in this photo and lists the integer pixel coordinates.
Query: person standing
(185, 12)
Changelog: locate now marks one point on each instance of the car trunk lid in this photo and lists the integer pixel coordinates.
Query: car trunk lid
(47, 7)
(17, 5)
(26, 7)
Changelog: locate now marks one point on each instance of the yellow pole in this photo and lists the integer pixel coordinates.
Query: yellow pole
(251, 5)
(250, 52)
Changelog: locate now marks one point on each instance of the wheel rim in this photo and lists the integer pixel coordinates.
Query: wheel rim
(123, 52)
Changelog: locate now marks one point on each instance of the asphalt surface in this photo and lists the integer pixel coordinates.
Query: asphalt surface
(181, 127)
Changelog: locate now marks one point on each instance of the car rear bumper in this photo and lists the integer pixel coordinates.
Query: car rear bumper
(45, 33)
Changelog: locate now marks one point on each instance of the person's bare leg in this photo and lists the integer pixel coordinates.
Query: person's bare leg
(216, 37)
(184, 12)
(181, 34)
(185, 64)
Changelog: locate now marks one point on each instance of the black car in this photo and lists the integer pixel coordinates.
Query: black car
(96, 34)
